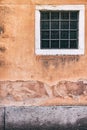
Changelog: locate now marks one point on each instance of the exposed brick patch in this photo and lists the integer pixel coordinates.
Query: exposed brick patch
(71, 89)
(41, 94)
(23, 90)
(20, 90)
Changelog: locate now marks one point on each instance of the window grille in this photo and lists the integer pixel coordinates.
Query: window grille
(59, 29)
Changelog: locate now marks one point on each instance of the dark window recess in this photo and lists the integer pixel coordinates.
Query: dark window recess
(59, 29)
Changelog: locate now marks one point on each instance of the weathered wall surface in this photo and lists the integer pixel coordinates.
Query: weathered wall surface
(44, 118)
(36, 93)
(48, 118)
(18, 60)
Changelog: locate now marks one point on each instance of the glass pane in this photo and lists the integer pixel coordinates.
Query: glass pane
(64, 44)
(74, 15)
(64, 25)
(54, 15)
(54, 44)
(64, 34)
(44, 15)
(73, 44)
(45, 44)
(45, 25)
(54, 35)
(73, 25)
(54, 25)
(73, 35)
(45, 34)
(65, 15)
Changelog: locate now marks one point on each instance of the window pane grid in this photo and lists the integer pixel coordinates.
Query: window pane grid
(50, 30)
(63, 31)
(60, 19)
(69, 31)
(58, 39)
(59, 29)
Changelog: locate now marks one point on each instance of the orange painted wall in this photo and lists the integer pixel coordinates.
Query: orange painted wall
(18, 60)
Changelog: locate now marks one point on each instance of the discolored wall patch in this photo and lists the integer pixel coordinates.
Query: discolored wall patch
(57, 60)
(23, 91)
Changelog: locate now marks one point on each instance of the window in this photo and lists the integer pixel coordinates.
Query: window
(59, 30)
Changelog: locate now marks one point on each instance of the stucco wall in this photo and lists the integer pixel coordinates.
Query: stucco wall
(18, 60)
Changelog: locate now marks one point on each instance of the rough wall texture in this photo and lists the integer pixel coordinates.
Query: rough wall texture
(2, 118)
(18, 60)
(46, 118)
(43, 118)
(38, 93)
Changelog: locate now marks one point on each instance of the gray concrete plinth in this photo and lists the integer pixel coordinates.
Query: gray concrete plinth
(46, 118)
(2, 118)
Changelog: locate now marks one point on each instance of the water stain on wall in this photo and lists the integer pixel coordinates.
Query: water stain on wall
(57, 60)
(2, 49)
(2, 63)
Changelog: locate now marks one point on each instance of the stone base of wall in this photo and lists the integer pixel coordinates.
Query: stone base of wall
(38, 93)
(43, 118)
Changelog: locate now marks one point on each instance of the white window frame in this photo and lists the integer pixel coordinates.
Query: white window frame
(81, 41)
